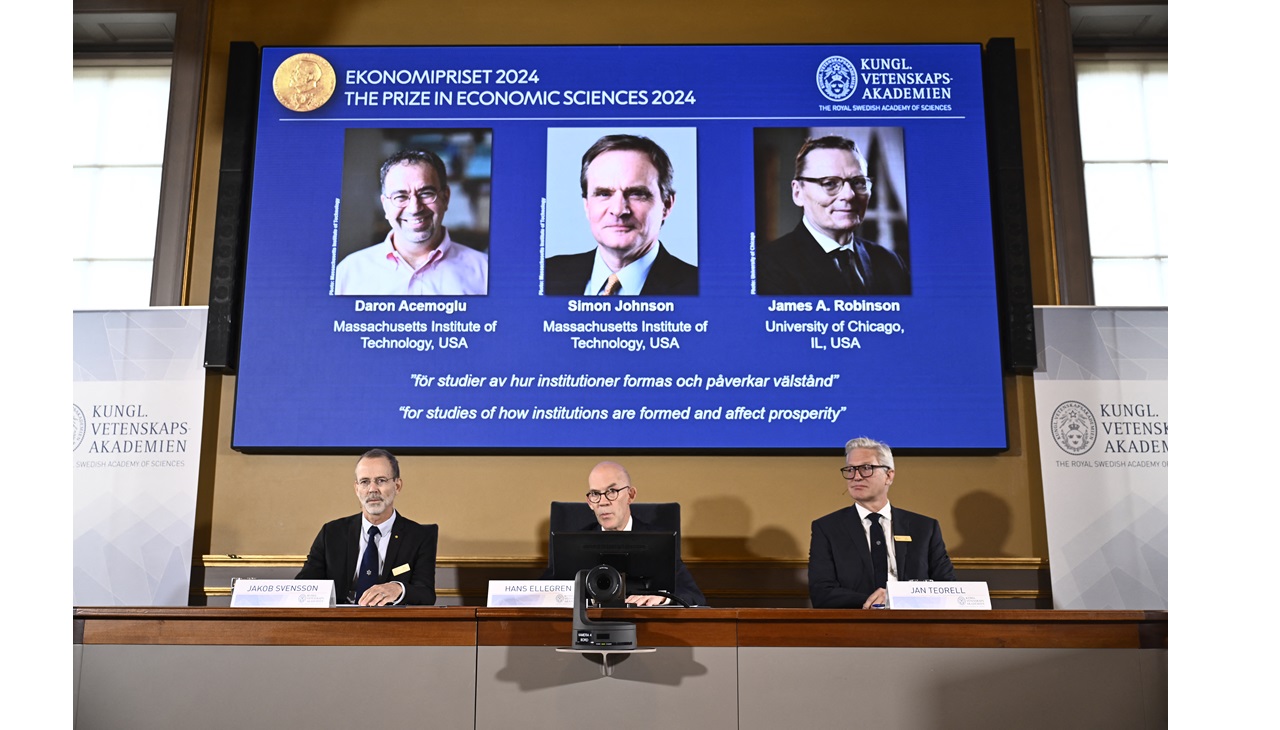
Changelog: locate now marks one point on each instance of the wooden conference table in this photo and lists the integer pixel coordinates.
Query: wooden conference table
(466, 667)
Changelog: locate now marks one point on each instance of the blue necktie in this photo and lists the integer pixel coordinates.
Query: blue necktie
(879, 553)
(368, 564)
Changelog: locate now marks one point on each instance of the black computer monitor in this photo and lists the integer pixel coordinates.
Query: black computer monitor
(648, 559)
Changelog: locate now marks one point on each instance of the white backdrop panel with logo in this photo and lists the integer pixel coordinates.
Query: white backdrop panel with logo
(138, 400)
(1102, 398)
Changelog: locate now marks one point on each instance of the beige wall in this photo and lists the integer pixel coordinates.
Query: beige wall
(734, 506)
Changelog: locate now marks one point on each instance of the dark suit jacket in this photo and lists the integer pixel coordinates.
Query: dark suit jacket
(669, 276)
(686, 589)
(840, 561)
(796, 264)
(335, 553)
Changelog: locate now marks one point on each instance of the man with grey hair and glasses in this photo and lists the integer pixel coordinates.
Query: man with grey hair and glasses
(854, 552)
(378, 557)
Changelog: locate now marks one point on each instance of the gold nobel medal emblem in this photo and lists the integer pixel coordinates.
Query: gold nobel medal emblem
(304, 82)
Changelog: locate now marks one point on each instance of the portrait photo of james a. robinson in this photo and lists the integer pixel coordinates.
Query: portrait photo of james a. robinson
(831, 212)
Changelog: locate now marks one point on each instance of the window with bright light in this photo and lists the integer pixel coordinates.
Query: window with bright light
(117, 155)
(1124, 148)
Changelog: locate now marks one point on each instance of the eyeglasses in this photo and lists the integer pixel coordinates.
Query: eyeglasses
(611, 493)
(380, 482)
(425, 196)
(863, 470)
(832, 185)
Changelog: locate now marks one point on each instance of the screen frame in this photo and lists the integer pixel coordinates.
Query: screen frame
(1001, 307)
(654, 552)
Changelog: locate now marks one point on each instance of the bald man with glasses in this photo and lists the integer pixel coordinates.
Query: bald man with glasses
(854, 552)
(823, 255)
(609, 495)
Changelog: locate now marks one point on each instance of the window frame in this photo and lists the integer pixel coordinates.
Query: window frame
(1072, 254)
(1162, 255)
(170, 268)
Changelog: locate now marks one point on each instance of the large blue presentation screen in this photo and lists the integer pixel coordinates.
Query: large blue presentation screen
(456, 299)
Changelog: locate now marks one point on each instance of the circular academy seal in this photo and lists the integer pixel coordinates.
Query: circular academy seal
(837, 78)
(77, 426)
(1073, 427)
(304, 82)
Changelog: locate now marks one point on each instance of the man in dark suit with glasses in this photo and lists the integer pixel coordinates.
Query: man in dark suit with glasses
(823, 255)
(855, 551)
(627, 193)
(609, 495)
(378, 557)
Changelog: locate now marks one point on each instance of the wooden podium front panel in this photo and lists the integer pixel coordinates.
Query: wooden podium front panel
(690, 681)
(673, 687)
(142, 668)
(149, 687)
(346, 626)
(953, 688)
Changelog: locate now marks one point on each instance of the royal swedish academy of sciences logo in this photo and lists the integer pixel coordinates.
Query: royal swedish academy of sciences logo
(1074, 427)
(837, 78)
(78, 426)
